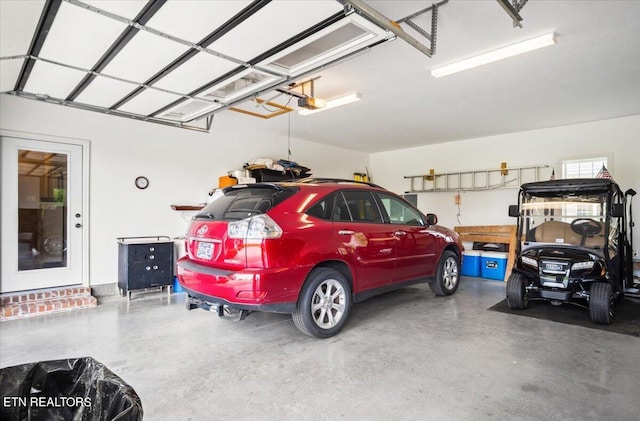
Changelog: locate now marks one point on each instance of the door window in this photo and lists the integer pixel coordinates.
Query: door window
(42, 209)
(360, 206)
(400, 212)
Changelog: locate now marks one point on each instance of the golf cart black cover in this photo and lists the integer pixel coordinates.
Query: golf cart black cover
(582, 185)
(71, 389)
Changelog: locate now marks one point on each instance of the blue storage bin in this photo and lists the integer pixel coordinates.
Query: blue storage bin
(176, 285)
(493, 265)
(471, 263)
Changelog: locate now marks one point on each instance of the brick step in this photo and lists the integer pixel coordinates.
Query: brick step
(40, 302)
(43, 294)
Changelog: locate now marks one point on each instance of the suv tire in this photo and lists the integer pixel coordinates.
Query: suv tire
(516, 292)
(447, 276)
(324, 303)
(601, 303)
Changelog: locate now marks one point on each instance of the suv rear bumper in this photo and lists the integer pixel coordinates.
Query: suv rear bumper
(210, 303)
(269, 290)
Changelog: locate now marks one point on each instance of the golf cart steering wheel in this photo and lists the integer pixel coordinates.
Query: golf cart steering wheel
(586, 226)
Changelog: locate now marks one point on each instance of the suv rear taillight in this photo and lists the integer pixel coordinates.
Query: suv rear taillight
(255, 227)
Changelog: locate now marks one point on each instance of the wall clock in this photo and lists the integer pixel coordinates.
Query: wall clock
(142, 182)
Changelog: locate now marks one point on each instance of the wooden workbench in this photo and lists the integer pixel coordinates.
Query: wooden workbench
(498, 234)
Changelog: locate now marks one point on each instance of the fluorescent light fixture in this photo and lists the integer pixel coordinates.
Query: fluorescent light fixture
(333, 103)
(495, 55)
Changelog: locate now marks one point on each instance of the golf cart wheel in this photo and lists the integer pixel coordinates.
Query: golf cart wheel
(601, 303)
(516, 292)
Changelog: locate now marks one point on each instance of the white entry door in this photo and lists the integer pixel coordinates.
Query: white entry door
(42, 214)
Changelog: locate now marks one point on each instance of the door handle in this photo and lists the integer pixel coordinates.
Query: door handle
(399, 233)
(346, 232)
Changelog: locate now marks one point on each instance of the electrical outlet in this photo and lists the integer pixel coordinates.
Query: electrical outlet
(635, 253)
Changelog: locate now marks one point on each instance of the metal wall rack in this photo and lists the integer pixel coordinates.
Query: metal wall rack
(501, 178)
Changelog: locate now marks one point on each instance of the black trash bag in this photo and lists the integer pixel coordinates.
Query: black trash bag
(73, 389)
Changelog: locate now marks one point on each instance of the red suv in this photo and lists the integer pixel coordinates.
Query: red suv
(311, 248)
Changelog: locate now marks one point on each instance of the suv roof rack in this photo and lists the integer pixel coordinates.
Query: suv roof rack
(335, 180)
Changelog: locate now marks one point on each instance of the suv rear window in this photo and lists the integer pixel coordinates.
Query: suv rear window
(241, 203)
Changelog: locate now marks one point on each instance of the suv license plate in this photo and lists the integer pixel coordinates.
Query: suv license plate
(205, 250)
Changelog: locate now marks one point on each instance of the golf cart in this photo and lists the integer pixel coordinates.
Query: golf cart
(576, 245)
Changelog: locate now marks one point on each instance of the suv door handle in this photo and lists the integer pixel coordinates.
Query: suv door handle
(399, 233)
(346, 232)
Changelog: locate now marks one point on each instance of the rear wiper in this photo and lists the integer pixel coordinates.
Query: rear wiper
(207, 215)
(243, 213)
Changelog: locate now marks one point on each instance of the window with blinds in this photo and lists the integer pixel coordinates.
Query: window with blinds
(583, 168)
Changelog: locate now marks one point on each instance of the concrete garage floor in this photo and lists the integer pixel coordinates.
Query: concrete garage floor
(406, 355)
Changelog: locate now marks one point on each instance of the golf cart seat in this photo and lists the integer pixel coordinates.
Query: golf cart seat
(561, 232)
(556, 232)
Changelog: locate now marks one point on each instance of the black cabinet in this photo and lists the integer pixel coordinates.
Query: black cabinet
(144, 262)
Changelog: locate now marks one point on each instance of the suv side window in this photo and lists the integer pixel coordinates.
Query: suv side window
(340, 210)
(360, 206)
(400, 212)
(323, 208)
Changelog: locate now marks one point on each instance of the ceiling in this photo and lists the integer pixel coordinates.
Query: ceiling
(179, 62)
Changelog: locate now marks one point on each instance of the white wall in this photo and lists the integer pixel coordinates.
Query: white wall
(182, 166)
(618, 138)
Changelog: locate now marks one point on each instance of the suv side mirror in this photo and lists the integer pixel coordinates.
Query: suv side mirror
(432, 219)
(617, 210)
(513, 210)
